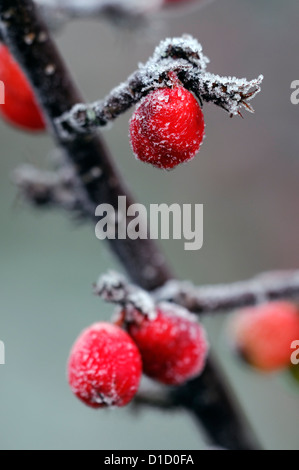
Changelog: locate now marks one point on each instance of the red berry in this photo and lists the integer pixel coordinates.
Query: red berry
(173, 346)
(263, 334)
(20, 108)
(104, 368)
(167, 127)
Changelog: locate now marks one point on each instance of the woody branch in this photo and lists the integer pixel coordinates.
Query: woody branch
(264, 287)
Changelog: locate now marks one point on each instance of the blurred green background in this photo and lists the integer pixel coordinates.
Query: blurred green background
(246, 175)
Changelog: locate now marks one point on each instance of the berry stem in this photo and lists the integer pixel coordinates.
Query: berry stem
(29, 40)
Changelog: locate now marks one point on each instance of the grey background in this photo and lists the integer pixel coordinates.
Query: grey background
(246, 175)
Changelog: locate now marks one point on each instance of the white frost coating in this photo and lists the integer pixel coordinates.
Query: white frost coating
(174, 309)
(231, 91)
(160, 62)
(113, 287)
(110, 287)
(171, 289)
(143, 302)
(186, 43)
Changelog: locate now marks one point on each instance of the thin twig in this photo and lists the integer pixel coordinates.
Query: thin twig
(204, 299)
(264, 287)
(114, 288)
(48, 188)
(181, 55)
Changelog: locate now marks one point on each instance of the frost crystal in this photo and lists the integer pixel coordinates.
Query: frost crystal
(144, 303)
(174, 309)
(229, 92)
(185, 47)
(113, 287)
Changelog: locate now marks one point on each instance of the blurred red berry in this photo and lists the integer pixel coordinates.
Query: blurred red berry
(104, 367)
(20, 108)
(167, 127)
(173, 346)
(263, 334)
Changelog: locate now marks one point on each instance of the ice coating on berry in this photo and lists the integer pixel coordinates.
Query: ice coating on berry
(167, 127)
(104, 367)
(173, 346)
(20, 107)
(263, 334)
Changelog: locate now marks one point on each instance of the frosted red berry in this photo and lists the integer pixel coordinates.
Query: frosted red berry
(167, 127)
(20, 107)
(173, 345)
(263, 334)
(104, 367)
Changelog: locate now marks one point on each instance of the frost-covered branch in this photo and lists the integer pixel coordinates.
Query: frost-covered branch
(183, 56)
(49, 188)
(262, 288)
(114, 288)
(265, 287)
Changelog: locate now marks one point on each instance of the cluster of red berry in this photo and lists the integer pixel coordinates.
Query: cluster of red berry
(263, 335)
(106, 361)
